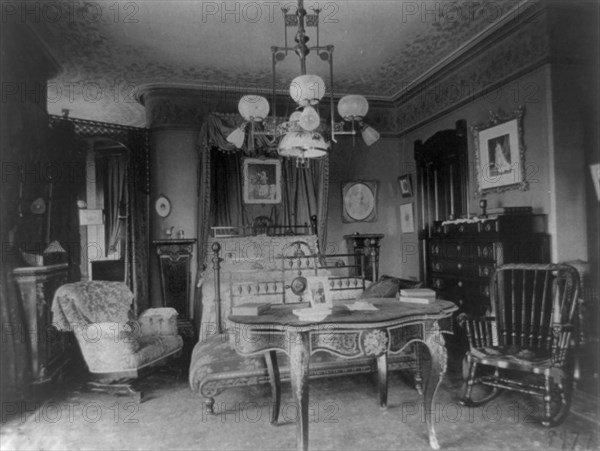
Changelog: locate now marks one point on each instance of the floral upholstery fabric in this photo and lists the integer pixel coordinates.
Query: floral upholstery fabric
(80, 303)
(98, 312)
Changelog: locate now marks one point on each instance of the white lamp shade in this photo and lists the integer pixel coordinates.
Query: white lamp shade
(307, 89)
(253, 108)
(353, 107)
(295, 116)
(303, 144)
(369, 135)
(236, 137)
(309, 119)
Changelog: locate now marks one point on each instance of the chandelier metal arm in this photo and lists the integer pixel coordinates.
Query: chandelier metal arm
(303, 133)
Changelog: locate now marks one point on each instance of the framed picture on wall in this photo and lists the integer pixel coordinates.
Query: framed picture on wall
(407, 219)
(405, 183)
(262, 181)
(359, 200)
(500, 153)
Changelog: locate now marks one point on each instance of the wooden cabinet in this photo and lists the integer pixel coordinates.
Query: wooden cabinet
(462, 255)
(174, 259)
(50, 349)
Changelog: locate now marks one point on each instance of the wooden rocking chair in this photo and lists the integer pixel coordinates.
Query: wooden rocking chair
(528, 343)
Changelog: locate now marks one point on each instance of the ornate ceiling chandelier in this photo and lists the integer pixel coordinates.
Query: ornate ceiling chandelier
(303, 136)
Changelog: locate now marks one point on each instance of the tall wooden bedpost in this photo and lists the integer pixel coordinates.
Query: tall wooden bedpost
(216, 260)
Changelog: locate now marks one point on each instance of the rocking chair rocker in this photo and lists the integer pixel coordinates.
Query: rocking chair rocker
(528, 343)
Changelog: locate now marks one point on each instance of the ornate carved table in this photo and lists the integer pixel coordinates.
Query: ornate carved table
(349, 334)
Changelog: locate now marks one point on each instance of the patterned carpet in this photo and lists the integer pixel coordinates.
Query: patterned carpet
(344, 415)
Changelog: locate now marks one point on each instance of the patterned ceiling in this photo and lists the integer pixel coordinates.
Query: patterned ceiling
(108, 49)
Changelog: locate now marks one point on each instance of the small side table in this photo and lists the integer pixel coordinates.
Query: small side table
(368, 245)
(174, 261)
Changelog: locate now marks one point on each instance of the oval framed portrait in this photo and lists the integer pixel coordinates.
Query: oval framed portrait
(359, 201)
(163, 206)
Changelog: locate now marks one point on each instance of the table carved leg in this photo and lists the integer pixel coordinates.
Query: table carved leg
(418, 370)
(273, 370)
(382, 380)
(299, 353)
(434, 341)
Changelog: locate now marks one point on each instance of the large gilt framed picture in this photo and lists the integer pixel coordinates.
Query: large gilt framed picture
(500, 153)
(359, 200)
(262, 181)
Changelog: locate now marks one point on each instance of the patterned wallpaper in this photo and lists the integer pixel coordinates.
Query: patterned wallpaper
(107, 50)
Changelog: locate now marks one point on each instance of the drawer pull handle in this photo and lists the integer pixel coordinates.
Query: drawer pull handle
(459, 266)
(458, 247)
(459, 283)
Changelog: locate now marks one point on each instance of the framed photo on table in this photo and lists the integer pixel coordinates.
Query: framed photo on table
(318, 293)
(500, 153)
(359, 200)
(262, 181)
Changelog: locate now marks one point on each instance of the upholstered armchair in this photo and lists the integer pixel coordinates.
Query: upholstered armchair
(116, 346)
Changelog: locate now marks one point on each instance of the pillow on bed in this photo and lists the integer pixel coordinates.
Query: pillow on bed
(387, 287)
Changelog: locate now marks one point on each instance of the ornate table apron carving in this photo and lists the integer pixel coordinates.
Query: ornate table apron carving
(348, 337)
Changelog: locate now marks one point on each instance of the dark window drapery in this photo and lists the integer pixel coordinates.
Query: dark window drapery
(304, 191)
(116, 190)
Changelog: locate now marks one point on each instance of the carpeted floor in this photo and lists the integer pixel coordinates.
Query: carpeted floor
(344, 416)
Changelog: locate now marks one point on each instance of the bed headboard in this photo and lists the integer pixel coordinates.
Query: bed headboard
(261, 269)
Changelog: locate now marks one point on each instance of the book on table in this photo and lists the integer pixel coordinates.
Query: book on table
(416, 300)
(417, 295)
(250, 309)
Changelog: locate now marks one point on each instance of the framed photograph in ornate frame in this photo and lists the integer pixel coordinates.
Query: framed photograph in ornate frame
(407, 219)
(500, 153)
(359, 201)
(262, 181)
(405, 184)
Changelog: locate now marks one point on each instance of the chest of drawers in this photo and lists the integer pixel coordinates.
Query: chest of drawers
(462, 255)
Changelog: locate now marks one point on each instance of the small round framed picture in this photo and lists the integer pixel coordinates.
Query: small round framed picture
(359, 201)
(162, 206)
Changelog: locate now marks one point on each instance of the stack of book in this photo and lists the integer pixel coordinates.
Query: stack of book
(417, 295)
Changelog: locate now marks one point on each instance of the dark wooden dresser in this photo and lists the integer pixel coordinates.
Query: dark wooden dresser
(463, 254)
